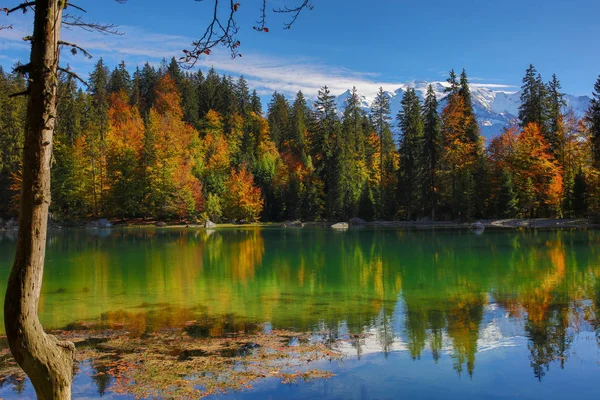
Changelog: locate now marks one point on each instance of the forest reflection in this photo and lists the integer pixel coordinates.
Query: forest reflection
(428, 293)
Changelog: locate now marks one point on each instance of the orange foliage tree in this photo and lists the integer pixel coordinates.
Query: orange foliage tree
(124, 142)
(243, 200)
(537, 175)
(171, 148)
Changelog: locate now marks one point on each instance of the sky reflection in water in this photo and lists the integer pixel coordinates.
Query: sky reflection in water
(422, 313)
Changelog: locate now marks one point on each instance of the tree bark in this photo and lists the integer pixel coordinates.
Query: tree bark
(47, 361)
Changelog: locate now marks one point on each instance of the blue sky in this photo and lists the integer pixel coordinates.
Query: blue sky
(351, 42)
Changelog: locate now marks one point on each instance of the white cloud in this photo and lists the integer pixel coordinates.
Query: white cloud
(266, 73)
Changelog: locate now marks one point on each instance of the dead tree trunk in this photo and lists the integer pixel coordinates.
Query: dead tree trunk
(47, 362)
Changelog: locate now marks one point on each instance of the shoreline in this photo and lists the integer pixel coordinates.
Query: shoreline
(515, 223)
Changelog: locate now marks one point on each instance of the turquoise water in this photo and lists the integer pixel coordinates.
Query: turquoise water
(441, 313)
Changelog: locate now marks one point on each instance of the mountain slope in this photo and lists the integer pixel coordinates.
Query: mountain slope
(494, 109)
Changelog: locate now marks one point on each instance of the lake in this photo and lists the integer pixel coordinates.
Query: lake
(425, 313)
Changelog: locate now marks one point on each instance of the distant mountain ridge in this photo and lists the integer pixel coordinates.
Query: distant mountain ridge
(494, 109)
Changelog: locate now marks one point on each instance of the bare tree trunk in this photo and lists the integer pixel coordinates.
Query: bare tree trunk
(47, 362)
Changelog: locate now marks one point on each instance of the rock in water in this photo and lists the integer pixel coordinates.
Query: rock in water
(292, 224)
(477, 227)
(103, 223)
(340, 225)
(357, 221)
(209, 224)
(161, 224)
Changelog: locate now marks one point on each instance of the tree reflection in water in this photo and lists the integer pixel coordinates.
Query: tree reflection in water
(433, 292)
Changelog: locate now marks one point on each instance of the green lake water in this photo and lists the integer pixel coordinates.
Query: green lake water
(446, 313)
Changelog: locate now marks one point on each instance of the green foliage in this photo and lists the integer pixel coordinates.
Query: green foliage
(507, 206)
(164, 142)
(410, 121)
(593, 116)
(534, 97)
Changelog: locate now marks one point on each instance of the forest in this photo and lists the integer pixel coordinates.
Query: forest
(169, 143)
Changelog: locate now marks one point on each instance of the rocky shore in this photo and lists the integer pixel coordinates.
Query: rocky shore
(538, 223)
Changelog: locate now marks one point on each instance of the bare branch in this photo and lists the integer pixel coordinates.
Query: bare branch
(215, 34)
(71, 21)
(72, 75)
(75, 7)
(295, 12)
(2, 27)
(218, 33)
(75, 48)
(23, 93)
(263, 18)
(22, 69)
(28, 5)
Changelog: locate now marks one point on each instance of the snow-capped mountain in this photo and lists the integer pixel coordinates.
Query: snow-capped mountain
(494, 109)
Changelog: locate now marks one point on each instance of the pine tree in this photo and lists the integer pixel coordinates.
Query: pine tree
(472, 132)
(228, 103)
(410, 121)
(323, 134)
(120, 80)
(255, 103)
(534, 98)
(579, 202)
(99, 123)
(66, 199)
(174, 70)
(431, 149)
(556, 103)
(353, 121)
(507, 205)
(593, 116)
(243, 96)
(453, 85)
(341, 196)
(147, 79)
(299, 128)
(12, 118)
(380, 116)
(278, 117)
(208, 93)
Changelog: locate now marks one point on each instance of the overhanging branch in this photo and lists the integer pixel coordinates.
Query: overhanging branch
(75, 48)
(73, 75)
(23, 6)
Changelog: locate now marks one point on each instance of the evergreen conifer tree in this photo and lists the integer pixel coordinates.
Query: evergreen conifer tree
(410, 121)
(593, 116)
(432, 146)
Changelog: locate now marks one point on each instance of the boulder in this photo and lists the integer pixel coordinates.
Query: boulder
(104, 223)
(292, 224)
(477, 227)
(100, 224)
(11, 224)
(357, 221)
(209, 224)
(161, 224)
(340, 225)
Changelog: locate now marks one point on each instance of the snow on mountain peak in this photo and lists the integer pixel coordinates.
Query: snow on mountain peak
(495, 109)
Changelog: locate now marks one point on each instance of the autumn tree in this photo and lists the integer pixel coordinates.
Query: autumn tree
(458, 155)
(46, 361)
(243, 200)
(172, 190)
(124, 142)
